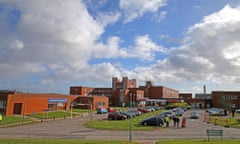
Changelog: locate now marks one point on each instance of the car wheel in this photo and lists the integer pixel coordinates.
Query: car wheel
(145, 123)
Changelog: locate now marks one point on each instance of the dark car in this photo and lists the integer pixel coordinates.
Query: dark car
(153, 121)
(116, 116)
(128, 114)
(194, 115)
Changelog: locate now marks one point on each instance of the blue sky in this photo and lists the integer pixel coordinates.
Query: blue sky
(48, 46)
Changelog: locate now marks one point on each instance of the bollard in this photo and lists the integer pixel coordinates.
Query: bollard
(215, 121)
(54, 118)
(209, 120)
(204, 118)
(64, 117)
(41, 119)
(227, 123)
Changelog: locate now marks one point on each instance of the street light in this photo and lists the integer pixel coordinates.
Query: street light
(130, 126)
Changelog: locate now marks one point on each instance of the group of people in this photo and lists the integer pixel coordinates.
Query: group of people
(176, 121)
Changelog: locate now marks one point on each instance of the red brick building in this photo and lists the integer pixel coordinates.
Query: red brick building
(12, 102)
(226, 99)
(159, 92)
(118, 94)
(125, 90)
(91, 102)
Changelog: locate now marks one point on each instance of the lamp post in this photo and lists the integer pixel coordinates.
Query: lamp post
(130, 126)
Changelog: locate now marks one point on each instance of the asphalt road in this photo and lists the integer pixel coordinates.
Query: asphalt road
(74, 129)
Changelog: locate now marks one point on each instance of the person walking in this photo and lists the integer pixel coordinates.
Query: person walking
(177, 121)
(1, 118)
(174, 121)
(167, 120)
(183, 122)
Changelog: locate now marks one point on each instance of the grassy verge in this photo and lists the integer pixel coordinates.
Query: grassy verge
(60, 141)
(14, 120)
(122, 124)
(198, 142)
(225, 121)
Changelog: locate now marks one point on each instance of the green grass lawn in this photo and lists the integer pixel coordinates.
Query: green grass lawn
(213, 141)
(225, 121)
(51, 115)
(122, 124)
(71, 141)
(14, 120)
(59, 141)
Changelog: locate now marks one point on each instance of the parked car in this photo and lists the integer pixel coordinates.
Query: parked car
(153, 121)
(143, 110)
(216, 112)
(116, 116)
(194, 115)
(178, 111)
(102, 110)
(110, 109)
(169, 113)
(135, 112)
(128, 114)
(150, 108)
(237, 110)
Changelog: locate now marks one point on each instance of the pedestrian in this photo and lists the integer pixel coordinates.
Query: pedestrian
(225, 112)
(177, 121)
(167, 119)
(174, 121)
(233, 113)
(183, 122)
(0, 117)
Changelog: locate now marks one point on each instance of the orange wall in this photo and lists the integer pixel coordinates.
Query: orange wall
(33, 103)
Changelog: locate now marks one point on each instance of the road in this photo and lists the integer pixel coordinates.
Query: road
(74, 129)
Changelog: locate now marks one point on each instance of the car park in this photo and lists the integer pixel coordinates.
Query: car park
(194, 115)
(116, 116)
(153, 121)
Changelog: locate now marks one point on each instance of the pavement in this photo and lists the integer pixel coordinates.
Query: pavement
(74, 129)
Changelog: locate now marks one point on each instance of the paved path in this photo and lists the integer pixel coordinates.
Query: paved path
(74, 129)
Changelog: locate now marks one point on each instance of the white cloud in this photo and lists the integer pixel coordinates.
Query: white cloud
(53, 39)
(137, 8)
(210, 53)
(108, 18)
(145, 48)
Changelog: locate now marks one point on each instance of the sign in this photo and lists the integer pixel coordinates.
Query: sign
(57, 100)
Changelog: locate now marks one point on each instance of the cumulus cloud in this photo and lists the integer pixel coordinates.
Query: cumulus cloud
(51, 42)
(52, 39)
(145, 48)
(134, 9)
(210, 52)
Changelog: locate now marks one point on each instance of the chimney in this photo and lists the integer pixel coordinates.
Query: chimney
(204, 89)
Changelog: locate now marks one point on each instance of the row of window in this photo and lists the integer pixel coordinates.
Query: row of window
(229, 97)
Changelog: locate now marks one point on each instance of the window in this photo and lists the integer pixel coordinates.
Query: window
(101, 104)
(3, 104)
(233, 97)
